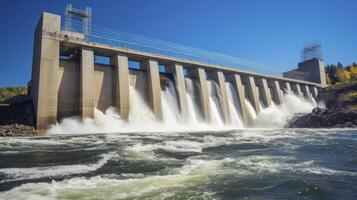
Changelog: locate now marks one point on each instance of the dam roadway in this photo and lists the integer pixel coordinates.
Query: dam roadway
(67, 82)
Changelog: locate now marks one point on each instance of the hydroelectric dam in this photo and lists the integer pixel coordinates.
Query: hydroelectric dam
(68, 79)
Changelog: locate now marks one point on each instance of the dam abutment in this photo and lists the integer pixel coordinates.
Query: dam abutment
(45, 70)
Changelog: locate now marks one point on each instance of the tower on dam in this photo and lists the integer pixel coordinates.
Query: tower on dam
(311, 68)
(68, 80)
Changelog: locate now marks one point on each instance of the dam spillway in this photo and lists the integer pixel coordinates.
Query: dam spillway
(67, 81)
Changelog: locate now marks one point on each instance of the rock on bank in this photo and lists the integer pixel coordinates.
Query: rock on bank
(324, 118)
(17, 119)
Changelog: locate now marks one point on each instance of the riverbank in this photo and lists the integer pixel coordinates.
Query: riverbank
(17, 119)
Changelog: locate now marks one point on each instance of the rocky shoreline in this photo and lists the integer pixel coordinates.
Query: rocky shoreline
(324, 118)
(17, 119)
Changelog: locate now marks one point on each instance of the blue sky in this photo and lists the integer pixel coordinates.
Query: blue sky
(270, 32)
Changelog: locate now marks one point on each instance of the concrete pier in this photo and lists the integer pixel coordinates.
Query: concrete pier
(86, 98)
(306, 92)
(252, 92)
(286, 87)
(264, 91)
(200, 75)
(314, 91)
(239, 88)
(297, 90)
(220, 79)
(154, 87)
(277, 95)
(177, 70)
(121, 68)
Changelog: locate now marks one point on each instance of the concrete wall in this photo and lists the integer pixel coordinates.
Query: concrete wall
(45, 66)
(104, 82)
(69, 81)
(68, 92)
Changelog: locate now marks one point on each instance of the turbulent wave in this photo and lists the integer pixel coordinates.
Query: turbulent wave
(246, 163)
(13, 174)
(192, 173)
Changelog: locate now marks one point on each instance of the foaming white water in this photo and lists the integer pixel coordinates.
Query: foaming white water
(170, 110)
(193, 108)
(277, 115)
(251, 111)
(192, 173)
(13, 174)
(141, 119)
(215, 104)
(234, 108)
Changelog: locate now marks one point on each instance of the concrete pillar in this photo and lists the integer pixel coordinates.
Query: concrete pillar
(237, 83)
(252, 92)
(306, 92)
(286, 86)
(220, 79)
(121, 94)
(177, 70)
(297, 90)
(277, 95)
(266, 97)
(45, 67)
(313, 90)
(152, 68)
(86, 97)
(200, 74)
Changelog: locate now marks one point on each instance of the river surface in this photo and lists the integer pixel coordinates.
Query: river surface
(237, 164)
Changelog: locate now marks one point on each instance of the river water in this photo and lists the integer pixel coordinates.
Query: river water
(230, 164)
(110, 158)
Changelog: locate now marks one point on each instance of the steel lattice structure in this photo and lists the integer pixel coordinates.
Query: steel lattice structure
(79, 21)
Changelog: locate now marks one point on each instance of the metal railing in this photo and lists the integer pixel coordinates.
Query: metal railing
(111, 37)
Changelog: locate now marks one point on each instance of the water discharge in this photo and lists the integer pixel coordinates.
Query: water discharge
(142, 119)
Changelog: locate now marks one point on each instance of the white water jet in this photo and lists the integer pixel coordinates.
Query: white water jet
(251, 111)
(142, 119)
(193, 108)
(215, 103)
(277, 115)
(234, 108)
(170, 110)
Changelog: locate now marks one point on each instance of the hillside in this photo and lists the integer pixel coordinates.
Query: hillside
(8, 92)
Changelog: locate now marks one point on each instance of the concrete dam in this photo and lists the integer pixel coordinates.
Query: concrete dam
(68, 81)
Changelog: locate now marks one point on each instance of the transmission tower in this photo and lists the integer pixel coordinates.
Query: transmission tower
(310, 51)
